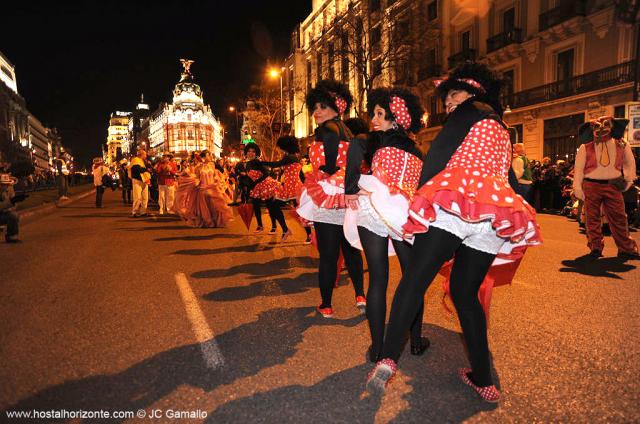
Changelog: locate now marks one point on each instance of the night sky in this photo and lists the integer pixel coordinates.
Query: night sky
(76, 62)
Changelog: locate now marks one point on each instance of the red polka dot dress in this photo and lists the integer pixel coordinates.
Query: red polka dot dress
(390, 187)
(265, 189)
(322, 197)
(474, 188)
(291, 185)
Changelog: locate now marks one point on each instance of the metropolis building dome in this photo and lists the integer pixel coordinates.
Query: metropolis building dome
(187, 124)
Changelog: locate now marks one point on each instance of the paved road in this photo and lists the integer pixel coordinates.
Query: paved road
(104, 312)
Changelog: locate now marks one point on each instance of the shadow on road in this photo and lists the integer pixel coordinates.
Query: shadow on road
(270, 340)
(277, 287)
(258, 270)
(97, 215)
(437, 394)
(164, 227)
(602, 267)
(200, 238)
(337, 398)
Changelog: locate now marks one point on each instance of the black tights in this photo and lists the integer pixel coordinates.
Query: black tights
(275, 213)
(375, 250)
(330, 240)
(430, 251)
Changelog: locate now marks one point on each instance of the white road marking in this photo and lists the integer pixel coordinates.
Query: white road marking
(210, 351)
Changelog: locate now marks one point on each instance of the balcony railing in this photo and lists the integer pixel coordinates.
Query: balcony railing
(429, 71)
(503, 39)
(456, 59)
(562, 13)
(602, 78)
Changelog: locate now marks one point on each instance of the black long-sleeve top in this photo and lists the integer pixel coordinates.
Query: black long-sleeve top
(364, 148)
(453, 133)
(330, 133)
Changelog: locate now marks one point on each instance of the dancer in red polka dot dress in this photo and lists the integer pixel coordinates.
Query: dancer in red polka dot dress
(263, 191)
(322, 197)
(290, 184)
(465, 209)
(378, 204)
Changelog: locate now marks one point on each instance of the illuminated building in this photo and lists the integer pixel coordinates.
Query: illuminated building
(14, 117)
(118, 136)
(41, 148)
(563, 62)
(138, 137)
(186, 124)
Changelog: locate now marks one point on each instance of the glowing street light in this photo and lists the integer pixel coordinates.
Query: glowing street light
(274, 73)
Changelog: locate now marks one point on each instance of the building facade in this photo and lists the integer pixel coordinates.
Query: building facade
(14, 117)
(187, 124)
(117, 136)
(41, 148)
(563, 61)
(138, 137)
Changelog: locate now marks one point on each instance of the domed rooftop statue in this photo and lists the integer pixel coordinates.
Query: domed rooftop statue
(187, 91)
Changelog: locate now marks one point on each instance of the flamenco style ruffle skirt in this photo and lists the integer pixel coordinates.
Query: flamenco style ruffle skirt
(202, 206)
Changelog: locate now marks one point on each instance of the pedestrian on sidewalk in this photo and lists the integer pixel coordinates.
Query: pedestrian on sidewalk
(125, 182)
(61, 179)
(8, 214)
(166, 170)
(100, 171)
(140, 178)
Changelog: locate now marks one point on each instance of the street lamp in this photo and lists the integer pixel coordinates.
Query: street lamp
(233, 109)
(274, 73)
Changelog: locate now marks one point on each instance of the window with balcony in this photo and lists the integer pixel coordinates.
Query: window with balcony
(319, 65)
(344, 69)
(508, 20)
(432, 11)
(564, 64)
(465, 40)
(508, 78)
(429, 66)
(376, 68)
(330, 58)
(375, 37)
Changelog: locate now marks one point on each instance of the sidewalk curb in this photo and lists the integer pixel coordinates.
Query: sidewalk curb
(50, 207)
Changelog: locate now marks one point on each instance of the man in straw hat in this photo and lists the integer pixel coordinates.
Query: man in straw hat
(8, 214)
(99, 172)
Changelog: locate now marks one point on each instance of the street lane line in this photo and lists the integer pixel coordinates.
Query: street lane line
(210, 351)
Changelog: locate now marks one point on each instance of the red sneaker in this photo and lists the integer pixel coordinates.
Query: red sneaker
(380, 376)
(361, 302)
(325, 312)
(487, 393)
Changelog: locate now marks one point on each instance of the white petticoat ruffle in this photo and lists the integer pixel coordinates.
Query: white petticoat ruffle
(308, 210)
(380, 212)
(476, 235)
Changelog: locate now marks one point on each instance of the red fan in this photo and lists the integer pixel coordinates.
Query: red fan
(245, 211)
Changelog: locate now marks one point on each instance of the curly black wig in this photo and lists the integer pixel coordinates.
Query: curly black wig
(253, 146)
(482, 74)
(289, 144)
(382, 97)
(322, 93)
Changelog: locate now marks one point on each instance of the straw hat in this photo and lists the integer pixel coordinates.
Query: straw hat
(7, 179)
